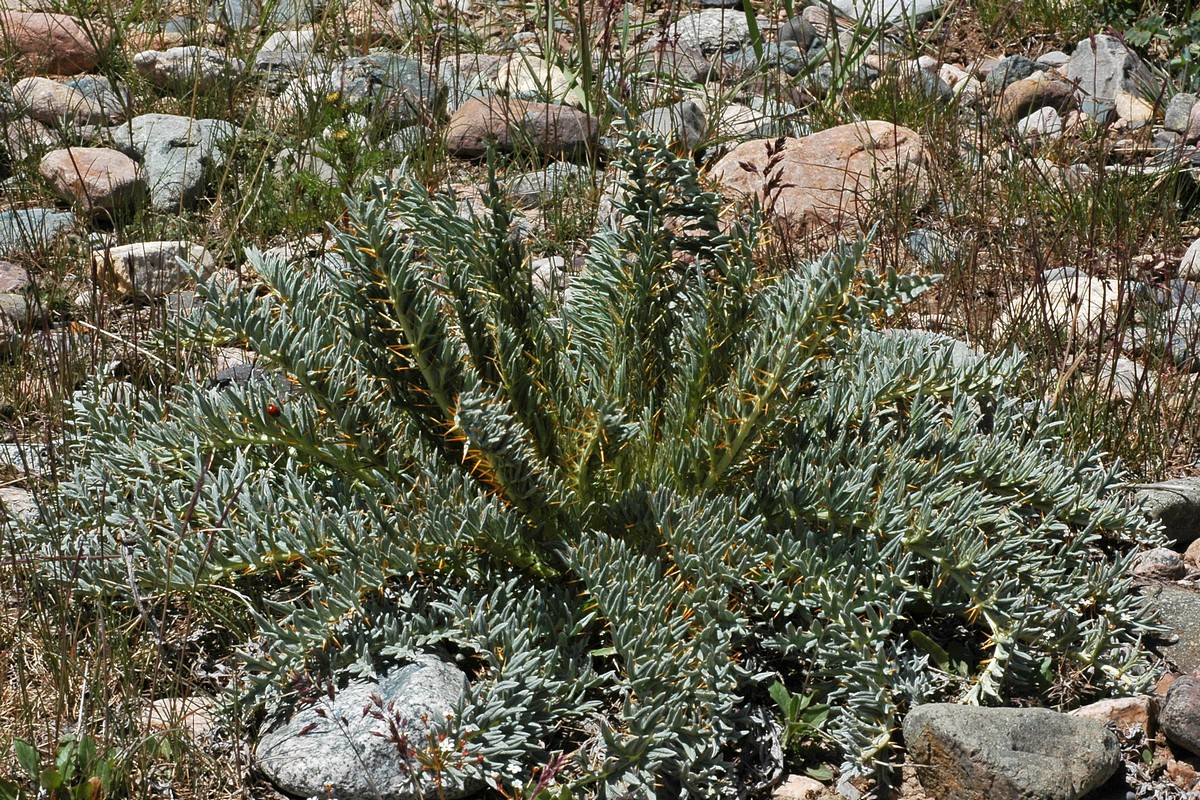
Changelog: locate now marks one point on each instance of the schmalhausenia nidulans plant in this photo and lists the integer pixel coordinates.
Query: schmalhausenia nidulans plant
(627, 511)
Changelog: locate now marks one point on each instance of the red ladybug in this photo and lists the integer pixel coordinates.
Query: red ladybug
(273, 410)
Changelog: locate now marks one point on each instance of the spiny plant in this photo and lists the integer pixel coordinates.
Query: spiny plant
(628, 509)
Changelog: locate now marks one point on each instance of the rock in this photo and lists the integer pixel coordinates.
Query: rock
(1081, 306)
(829, 179)
(53, 43)
(735, 121)
(528, 77)
(1192, 134)
(784, 56)
(714, 33)
(290, 161)
(533, 189)
(930, 248)
(58, 104)
(1177, 333)
(17, 504)
(1176, 504)
(1180, 714)
(392, 89)
(1192, 554)
(521, 125)
(192, 716)
(243, 14)
(177, 155)
(1127, 380)
(368, 21)
(1179, 112)
(96, 178)
(799, 787)
(962, 85)
(186, 67)
(550, 275)
(1102, 67)
(286, 55)
(1127, 714)
(1054, 59)
(16, 318)
(798, 30)
(1044, 123)
(682, 124)
(674, 61)
(1160, 564)
(1025, 96)
(1133, 109)
(974, 753)
(878, 12)
(1008, 71)
(1178, 609)
(13, 278)
(1189, 265)
(329, 748)
(25, 137)
(32, 229)
(150, 269)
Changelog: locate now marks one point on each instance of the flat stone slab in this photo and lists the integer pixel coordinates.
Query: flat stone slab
(973, 753)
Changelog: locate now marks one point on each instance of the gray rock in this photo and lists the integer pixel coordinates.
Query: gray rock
(1176, 332)
(1179, 716)
(550, 275)
(930, 247)
(1178, 609)
(150, 269)
(876, 12)
(1127, 380)
(32, 229)
(798, 30)
(1061, 274)
(682, 123)
(13, 278)
(17, 504)
(389, 87)
(785, 56)
(714, 32)
(289, 161)
(973, 753)
(23, 458)
(670, 59)
(1055, 58)
(178, 154)
(66, 104)
(1103, 66)
(1160, 564)
(186, 67)
(1045, 122)
(330, 748)
(1176, 504)
(1009, 70)
(15, 321)
(242, 14)
(532, 189)
(1179, 111)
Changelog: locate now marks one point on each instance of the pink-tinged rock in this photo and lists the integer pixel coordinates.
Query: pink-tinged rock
(1191, 134)
(1180, 714)
(53, 43)
(830, 180)
(57, 104)
(1161, 563)
(13, 278)
(1126, 713)
(1027, 95)
(520, 125)
(799, 787)
(94, 177)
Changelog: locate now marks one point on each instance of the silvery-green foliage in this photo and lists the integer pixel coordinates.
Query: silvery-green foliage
(626, 514)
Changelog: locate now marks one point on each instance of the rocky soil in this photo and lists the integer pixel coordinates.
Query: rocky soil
(138, 154)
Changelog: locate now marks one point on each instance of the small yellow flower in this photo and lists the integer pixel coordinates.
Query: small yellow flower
(341, 135)
(333, 97)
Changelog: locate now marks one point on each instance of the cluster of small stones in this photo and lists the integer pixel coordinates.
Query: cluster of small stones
(108, 158)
